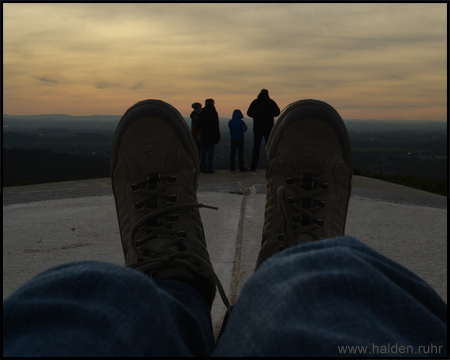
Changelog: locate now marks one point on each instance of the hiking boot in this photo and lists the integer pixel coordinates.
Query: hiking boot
(154, 173)
(308, 174)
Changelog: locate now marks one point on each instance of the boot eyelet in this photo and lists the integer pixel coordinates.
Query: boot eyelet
(173, 219)
(139, 206)
(289, 181)
(319, 223)
(139, 243)
(172, 180)
(135, 187)
(172, 199)
(321, 204)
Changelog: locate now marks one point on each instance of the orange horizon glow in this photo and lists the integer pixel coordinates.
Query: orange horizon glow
(368, 61)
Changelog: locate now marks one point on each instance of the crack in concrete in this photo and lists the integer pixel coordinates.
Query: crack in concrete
(234, 286)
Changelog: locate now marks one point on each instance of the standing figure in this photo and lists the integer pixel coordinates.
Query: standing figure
(195, 114)
(237, 128)
(262, 110)
(209, 135)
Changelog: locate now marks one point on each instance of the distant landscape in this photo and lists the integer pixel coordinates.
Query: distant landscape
(52, 148)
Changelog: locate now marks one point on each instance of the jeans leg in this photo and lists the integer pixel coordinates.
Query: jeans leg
(234, 145)
(317, 298)
(203, 157)
(209, 164)
(266, 135)
(99, 309)
(199, 147)
(256, 149)
(241, 154)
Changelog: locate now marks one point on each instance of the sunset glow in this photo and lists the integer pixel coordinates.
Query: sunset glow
(369, 61)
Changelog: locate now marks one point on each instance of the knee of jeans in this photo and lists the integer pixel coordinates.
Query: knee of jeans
(340, 241)
(343, 255)
(82, 273)
(312, 256)
(338, 244)
(93, 267)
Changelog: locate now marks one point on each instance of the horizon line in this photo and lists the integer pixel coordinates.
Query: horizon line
(187, 117)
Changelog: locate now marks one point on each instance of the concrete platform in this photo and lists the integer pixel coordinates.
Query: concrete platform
(51, 224)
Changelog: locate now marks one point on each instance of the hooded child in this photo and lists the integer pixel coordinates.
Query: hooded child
(237, 128)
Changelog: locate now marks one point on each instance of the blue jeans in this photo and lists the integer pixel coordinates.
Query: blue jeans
(324, 298)
(207, 164)
(237, 144)
(257, 139)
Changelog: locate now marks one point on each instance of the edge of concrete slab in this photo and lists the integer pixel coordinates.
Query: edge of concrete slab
(223, 181)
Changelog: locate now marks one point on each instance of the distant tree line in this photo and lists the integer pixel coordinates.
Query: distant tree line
(409, 180)
(409, 157)
(24, 167)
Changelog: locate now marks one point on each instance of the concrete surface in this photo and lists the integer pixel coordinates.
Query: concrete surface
(50, 224)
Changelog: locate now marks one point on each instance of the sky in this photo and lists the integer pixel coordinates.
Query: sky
(368, 61)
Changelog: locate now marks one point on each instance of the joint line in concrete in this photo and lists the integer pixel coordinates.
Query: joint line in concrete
(237, 258)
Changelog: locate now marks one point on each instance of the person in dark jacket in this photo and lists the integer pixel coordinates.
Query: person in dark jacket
(237, 128)
(209, 134)
(195, 125)
(262, 110)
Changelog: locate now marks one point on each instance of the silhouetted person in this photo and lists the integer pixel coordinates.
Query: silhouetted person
(262, 110)
(209, 134)
(195, 118)
(237, 128)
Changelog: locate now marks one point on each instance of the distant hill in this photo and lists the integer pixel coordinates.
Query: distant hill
(62, 117)
(26, 123)
(32, 123)
(393, 125)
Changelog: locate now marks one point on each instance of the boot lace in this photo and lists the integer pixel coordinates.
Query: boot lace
(153, 258)
(301, 192)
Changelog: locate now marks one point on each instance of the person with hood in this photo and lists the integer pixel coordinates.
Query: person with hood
(195, 114)
(237, 128)
(262, 110)
(209, 134)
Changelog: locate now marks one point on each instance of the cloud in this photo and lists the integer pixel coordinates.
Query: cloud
(105, 85)
(360, 53)
(46, 78)
(136, 86)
